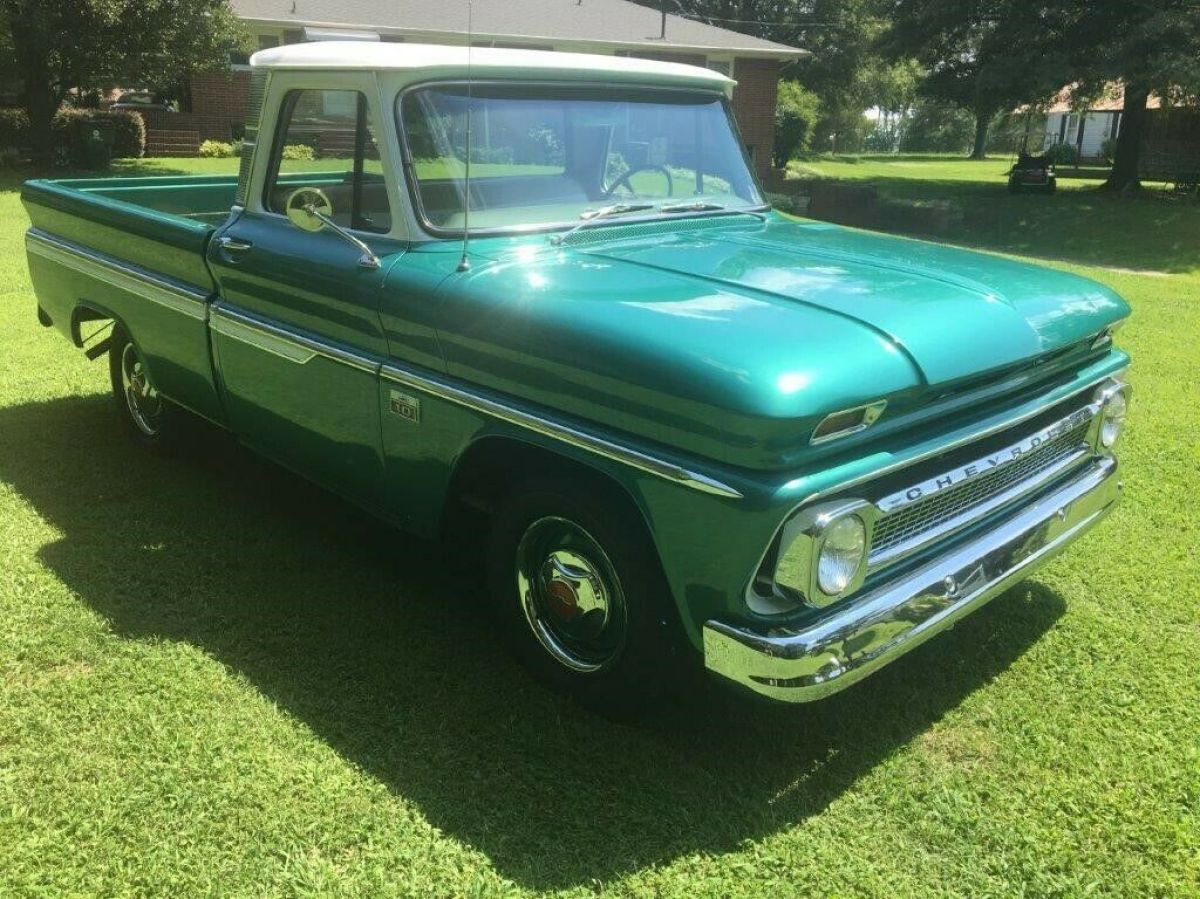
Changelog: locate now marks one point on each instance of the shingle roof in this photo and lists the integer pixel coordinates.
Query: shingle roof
(600, 23)
(1113, 100)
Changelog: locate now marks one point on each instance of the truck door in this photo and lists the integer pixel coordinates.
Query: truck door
(296, 328)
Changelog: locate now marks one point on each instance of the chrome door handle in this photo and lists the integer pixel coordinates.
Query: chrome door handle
(234, 246)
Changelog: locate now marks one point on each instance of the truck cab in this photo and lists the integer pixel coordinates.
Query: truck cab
(546, 287)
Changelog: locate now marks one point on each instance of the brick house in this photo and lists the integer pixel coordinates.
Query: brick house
(216, 107)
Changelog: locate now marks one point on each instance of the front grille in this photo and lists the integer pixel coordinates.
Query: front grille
(924, 518)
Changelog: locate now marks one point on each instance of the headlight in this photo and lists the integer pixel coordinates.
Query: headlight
(822, 556)
(842, 553)
(1112, 418)
(1112, 397)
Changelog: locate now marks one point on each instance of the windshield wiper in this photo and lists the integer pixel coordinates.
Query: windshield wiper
(691, 206)
(705, 206)
(592, 215)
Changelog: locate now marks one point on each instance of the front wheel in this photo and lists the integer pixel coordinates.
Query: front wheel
(581, 597)
(148, 417)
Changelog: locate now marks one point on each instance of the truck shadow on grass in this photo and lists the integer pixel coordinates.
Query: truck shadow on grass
(373, 640)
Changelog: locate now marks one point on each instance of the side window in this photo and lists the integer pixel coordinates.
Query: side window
(326, 139)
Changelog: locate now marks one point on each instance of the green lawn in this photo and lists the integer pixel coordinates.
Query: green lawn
(215, 679)
(1157, 232)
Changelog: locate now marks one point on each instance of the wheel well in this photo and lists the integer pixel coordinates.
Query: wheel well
(83, 313)
(490, 466)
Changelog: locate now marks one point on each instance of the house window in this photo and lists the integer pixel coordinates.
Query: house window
(267, 41)
(720, 65)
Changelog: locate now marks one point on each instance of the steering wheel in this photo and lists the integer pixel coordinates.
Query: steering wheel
(625, 179)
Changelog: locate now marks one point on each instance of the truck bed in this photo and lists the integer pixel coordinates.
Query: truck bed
(132, 250)
(160, 222)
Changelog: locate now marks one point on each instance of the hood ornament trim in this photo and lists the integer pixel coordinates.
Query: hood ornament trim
(837, 425)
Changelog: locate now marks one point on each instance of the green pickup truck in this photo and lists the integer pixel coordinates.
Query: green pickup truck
(544, 291)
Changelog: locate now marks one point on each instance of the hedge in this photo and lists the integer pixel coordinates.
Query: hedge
(123, 132)
(14, 128)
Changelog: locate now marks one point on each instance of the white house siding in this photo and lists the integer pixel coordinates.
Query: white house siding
(1097, 128)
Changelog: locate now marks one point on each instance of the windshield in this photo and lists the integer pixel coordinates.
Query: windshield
(548, 155)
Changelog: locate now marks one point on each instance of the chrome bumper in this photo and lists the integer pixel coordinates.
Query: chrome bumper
(867, 632)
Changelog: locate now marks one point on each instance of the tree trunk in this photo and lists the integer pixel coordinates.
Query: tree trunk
(39, 94)
(1124, 175)
(979, 147)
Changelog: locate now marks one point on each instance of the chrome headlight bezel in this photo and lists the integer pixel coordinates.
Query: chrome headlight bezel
(1111, 400)
(802, 540)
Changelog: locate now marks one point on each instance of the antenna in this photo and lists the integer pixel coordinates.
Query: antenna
(464, 264)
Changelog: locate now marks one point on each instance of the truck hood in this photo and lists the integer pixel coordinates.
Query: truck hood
(730, 338)
(956, 314)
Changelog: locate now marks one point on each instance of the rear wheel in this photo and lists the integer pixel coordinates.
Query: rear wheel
(148, 417)
(581, 597)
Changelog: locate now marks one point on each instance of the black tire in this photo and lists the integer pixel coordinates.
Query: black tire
(1014, 186)
(639, 655)
(150, 419)
(1051, 185)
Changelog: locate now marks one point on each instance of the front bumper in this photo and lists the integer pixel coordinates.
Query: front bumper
(867, 632)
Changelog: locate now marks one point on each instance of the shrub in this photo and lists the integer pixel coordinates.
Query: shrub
(123, 133)
(1062, 154)
(299, 152)
(1108, 149)
(14, 128)
(796, 117)
(238, 147)
(216, 149)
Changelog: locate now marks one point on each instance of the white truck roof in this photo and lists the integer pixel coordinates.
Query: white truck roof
(428, 61)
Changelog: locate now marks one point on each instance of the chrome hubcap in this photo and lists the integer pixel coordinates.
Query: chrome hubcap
(570, 595)
(141, 398)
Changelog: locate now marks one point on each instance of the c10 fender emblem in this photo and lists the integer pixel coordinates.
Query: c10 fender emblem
(406, 406)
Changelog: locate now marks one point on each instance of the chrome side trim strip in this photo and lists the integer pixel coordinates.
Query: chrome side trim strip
(282, 342)
(566, 434)
(261, 339)
(302, 349)
(177, 297)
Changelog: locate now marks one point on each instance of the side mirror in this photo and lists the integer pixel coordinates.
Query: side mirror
(308, 209)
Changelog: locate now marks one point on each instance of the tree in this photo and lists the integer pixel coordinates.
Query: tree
(55, 47)
(796, 114)
(1150, 46)
(838, 34)
(938, 127)
(890, 88)
(986, 56)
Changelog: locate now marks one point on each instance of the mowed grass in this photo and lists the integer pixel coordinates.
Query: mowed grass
(217, 680)
(1156, 232)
